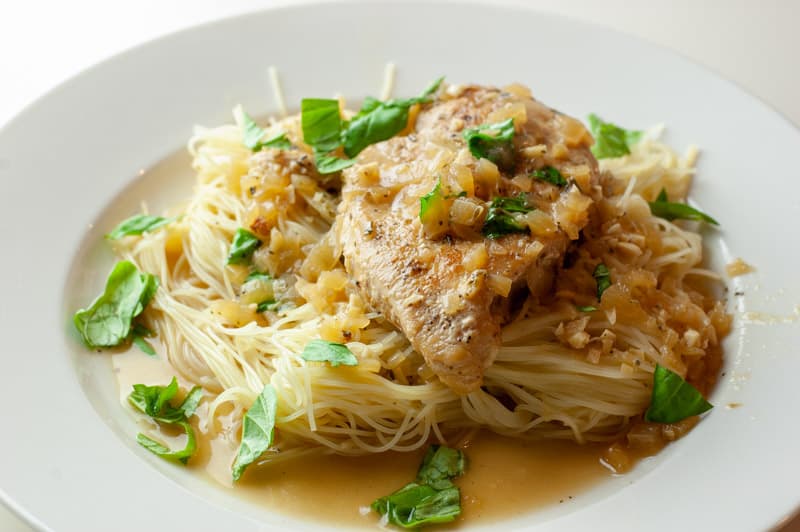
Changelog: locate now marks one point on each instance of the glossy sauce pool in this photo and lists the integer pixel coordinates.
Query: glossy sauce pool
(504, 478)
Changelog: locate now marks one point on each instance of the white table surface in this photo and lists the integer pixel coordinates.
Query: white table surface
(754, 43)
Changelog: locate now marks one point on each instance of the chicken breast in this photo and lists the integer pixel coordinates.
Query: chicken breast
(446, 279)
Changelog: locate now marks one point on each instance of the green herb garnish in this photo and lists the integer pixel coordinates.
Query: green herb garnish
(255, 274)
(432, 498)
(328, 164)
(154, 401)
(253, 134)
(138, 337)
(588, 308)
(493, 141)
(136, 225)
(258, 430)
(611, 140)
(325, 131)
(321, 123)
(602, 277)
(264, 306)
(550, 175)
(376, 121)
(673, 398)
(243, 245)
(663, 208)
(108, 321)
(501, 220)
(429, 199)
(331, 352)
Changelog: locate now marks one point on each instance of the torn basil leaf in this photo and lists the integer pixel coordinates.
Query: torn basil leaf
(602, 277)
(154, 401)
(331, 352)
(663, 208)
(429, 199)
(325, 131)
(492, 141)
(258, 430)
(611, 140)
(440, 465)
(279, 141)
(328, 164)
(321, 124)
(322, 130)
(181, 455)
(550, 175)
(139, 333)
(431, 89)
(108, 321)
(432, 498)
(255, 274)
(673, 398)
(191, 401)
(266, 305)
(376, 121)
(500, 219)
(136, 225)
(253, 134)
(243, 245)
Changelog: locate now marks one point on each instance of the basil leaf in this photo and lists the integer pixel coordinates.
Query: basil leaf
(380, 122)
(264, 306)
(675, 211)
(321, 123)
(138, 334)
(191, 401)
(257, 275)
(611, 140)
(500, 220)
(413, 506)
(440, 465)
(432, 498)
(136, 225)
(154, 401)
(673, 398)
(243, 245)
(253, 134)
(426, 201)
(587, 308)
(550, 175)
(258, 430)
(181, 455)
(602, 277)
(143, 345)
(108, 321)
(493, 141)
(328, 164)
(164, 395)
(279, 142)
(150, 399)
(325, 131)
(325, 351)
(432, 88)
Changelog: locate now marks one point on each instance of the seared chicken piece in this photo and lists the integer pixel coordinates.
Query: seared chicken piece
(443, 283)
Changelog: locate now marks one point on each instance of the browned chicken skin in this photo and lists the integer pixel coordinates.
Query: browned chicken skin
(449, 291)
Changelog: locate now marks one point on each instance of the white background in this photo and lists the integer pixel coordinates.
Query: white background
(754, 43)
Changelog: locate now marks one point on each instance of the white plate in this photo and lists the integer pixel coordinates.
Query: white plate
(69, 461)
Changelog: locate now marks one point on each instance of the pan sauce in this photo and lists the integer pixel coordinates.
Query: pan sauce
(505, 477)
